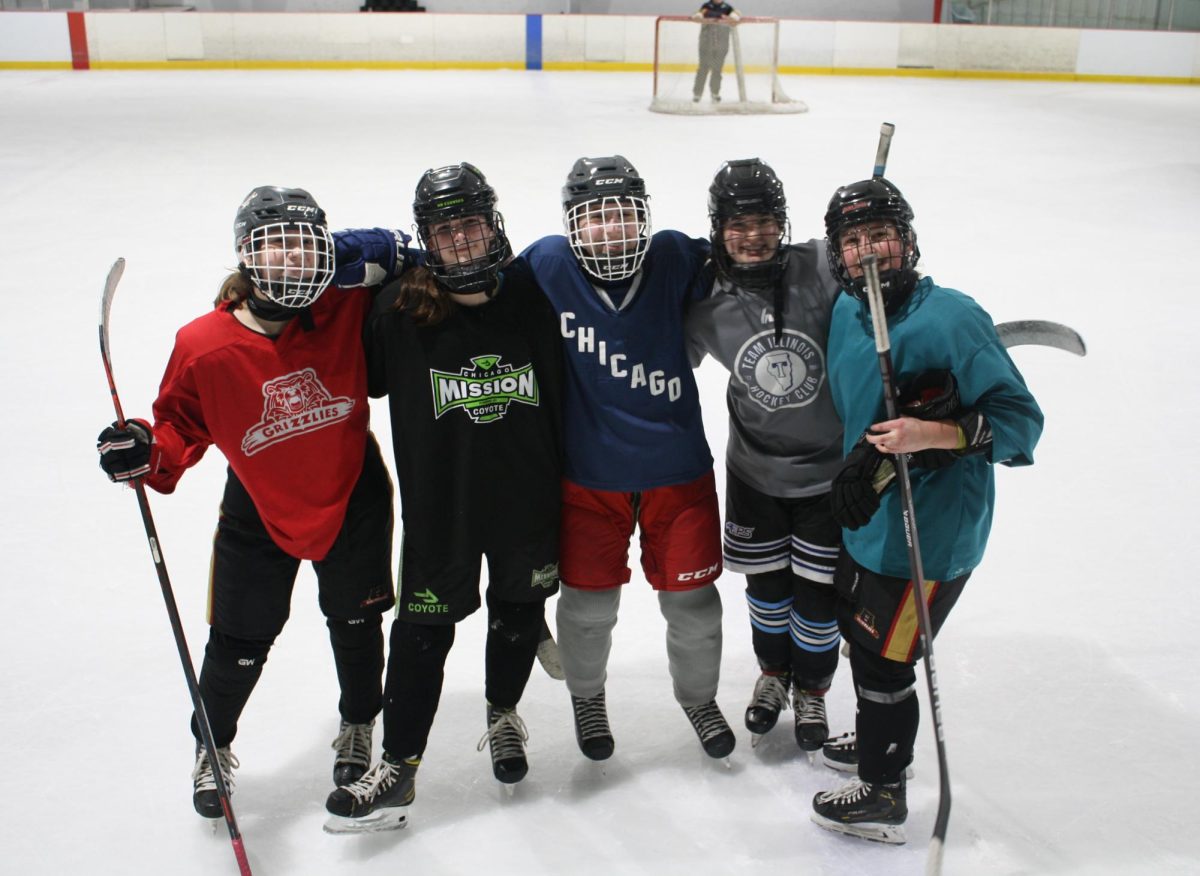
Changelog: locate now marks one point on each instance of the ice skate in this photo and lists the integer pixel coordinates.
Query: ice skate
(710, 725)
(376, 802)
(592, 732)
(812, 729)
(864, 809)
(841, 753)
(506, 737)
(205, 798)
(353, 753)
(770, 698)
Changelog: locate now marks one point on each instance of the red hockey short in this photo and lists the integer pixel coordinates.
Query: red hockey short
(680, 535)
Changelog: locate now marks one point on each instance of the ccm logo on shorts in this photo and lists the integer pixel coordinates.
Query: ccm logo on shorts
(699, 574)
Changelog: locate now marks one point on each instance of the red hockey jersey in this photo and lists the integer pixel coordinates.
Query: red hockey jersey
(289, 413)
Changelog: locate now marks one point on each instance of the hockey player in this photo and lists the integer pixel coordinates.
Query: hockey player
(276, 378)
(964, 407)
(716, 20)
(767, 322)
(636, 456)
(467, 350)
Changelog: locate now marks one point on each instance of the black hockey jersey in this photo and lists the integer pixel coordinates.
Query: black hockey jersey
(475, 405)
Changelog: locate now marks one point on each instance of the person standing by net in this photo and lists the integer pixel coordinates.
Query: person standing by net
(715, 21)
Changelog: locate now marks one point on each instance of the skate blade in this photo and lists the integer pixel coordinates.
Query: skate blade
(394, 818)
(812, 757)
(873, 831)
(510, 788)
(843, 767)
(840, 766)
(756, 738)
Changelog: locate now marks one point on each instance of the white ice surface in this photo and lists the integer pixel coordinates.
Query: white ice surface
(1067, 671)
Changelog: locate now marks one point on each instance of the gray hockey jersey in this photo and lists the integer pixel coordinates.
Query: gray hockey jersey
(785, 438)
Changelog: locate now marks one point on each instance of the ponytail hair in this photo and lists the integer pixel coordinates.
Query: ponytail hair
(425, 301)
(236, 287)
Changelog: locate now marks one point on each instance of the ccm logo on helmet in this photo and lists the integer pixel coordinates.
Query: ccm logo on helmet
(613, 181)
(301, 208)
(699, 574)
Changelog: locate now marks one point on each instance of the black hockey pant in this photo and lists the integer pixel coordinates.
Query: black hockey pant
(232, 667)
(417, 662)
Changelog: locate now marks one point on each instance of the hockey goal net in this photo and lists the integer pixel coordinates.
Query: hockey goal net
(702, 68)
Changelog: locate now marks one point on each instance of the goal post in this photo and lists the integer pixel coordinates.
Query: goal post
(741, 61)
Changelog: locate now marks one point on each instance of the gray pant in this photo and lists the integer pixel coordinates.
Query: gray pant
(714, 46)
(585, 623)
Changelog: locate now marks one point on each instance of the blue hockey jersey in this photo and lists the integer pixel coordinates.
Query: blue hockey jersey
(631, 407)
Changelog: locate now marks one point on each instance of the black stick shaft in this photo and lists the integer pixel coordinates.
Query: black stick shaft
(924, 623)
(164, 580)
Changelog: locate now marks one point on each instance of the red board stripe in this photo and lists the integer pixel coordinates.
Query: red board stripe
(78, 33)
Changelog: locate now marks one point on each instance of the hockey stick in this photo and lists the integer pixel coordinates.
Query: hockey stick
(1035, 332)
(881, 152)
(1041, 333)
(547, 654)
(870, 264)
(235, 836)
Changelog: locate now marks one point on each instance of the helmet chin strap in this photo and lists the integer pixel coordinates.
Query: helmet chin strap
(264, 308)
(268, 310)
(896, 288)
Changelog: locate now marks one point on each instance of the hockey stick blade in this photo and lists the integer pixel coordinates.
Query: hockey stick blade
(1041, 333)
(547, 654)
(881, 152)
(110, 289)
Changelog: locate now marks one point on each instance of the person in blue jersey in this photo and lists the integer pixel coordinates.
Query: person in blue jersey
(466, 348)
(636, 455)
(767, 322)
(964, 408)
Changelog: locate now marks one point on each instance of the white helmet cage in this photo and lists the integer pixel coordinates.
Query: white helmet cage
(291, 263)
(609, 235)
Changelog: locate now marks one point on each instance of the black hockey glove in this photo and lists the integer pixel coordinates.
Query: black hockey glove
(931, 395)
(855, 490)
(125, 453)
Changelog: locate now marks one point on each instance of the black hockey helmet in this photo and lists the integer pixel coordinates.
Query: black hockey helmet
(459, 191)
(610, 176)
(866, 201)
(272, 219)
(745, 187)
(596, 187)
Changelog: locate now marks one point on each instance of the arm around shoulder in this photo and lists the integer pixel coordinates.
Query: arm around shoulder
(371, 256)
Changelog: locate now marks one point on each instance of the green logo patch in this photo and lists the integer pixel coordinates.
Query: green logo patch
(546, 576)
(484, 389)
(429, 603)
